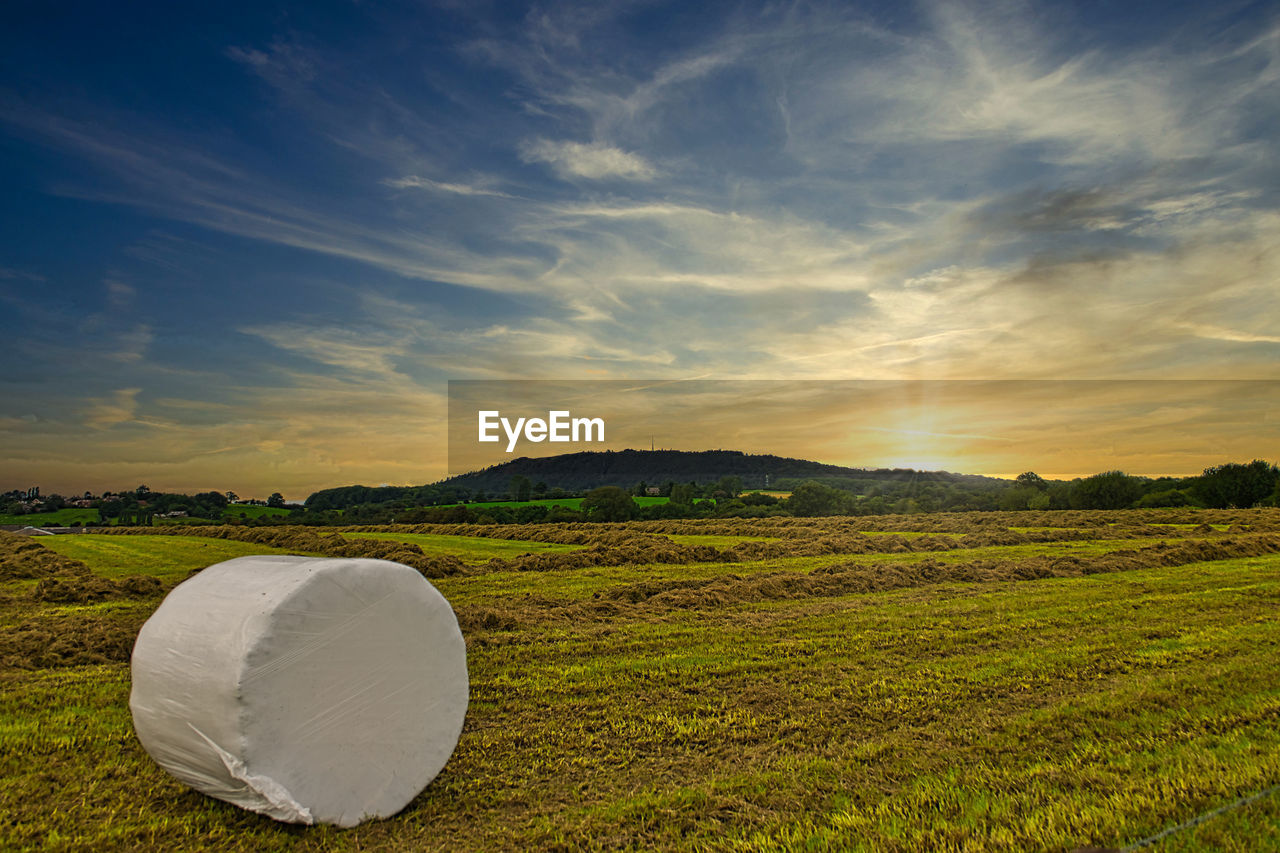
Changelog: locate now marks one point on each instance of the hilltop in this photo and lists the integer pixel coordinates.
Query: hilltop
(578, 472)
(589, 469)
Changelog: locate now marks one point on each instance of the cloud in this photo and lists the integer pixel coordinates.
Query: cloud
(346, 348)
(594, 161)
(131, 344)
(795, 191)
(281, 63)
(119, 294)
(7, 274)
(415, 182)
(119, 408)
(1221, 334)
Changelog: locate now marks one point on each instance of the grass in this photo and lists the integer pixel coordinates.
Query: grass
(253, 511)
(473, 549)
(170, 558)
(716, 541)
(1036, 714)
(573, 585)
(73, 517)
(70, 517)
(568, 503)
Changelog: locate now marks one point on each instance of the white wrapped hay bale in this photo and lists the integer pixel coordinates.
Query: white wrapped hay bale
(312, 690)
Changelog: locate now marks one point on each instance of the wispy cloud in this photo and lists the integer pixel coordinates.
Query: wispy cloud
(415, 182)
(119, 408)
(19, 275)
(1220, 334)
(120, 293)
(594, 161)
(802, 190)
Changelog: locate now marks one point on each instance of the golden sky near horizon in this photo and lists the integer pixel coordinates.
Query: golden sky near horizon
(1060, 429)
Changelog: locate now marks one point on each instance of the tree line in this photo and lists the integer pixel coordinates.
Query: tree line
(1231, 485)
(1239, 485)
(136, 506)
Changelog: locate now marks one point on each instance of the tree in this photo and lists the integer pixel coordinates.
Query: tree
(521, 486)
(1033, 480)
(530, 514)
(1108, 490)
(811, 499)
(1019, 497)
(608, 503)
(729, 487)
(1166, 498)
(232, 497)
(1236, 485)
(276, 499)
(682, 494)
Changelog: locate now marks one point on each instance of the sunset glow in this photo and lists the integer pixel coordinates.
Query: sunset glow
(248, 251)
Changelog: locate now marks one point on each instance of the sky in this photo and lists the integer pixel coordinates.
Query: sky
(246, 247)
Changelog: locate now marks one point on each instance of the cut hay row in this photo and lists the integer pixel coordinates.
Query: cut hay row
(53, 640)
(761, 705)
(1061, 523)
(294, 539)
(63, 580)
(617, 545)
(651, 597)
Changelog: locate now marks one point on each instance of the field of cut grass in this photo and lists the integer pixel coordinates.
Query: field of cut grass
(170, 558)
(743, 706)
(716, 540)
(470, 549)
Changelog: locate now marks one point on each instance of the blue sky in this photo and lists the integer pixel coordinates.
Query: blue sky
(246, 247)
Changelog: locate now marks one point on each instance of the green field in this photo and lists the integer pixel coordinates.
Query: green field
(62, 518)
(729, 706)
(471, 549)
(76, 517)
(170, 558)
(252, 511)
(568, 503)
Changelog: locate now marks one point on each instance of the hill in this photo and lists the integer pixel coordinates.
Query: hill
(589, 469)
(576, 472)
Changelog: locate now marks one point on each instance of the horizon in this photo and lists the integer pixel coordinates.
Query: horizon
(870, 468)
(248, 247)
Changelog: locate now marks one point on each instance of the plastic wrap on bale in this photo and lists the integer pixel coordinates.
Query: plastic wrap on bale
(310, 690)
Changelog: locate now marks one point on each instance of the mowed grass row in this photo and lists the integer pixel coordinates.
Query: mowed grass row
(577, 584)
(469, 549)
(1021, 715)
(567, 503)
(170, 558)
